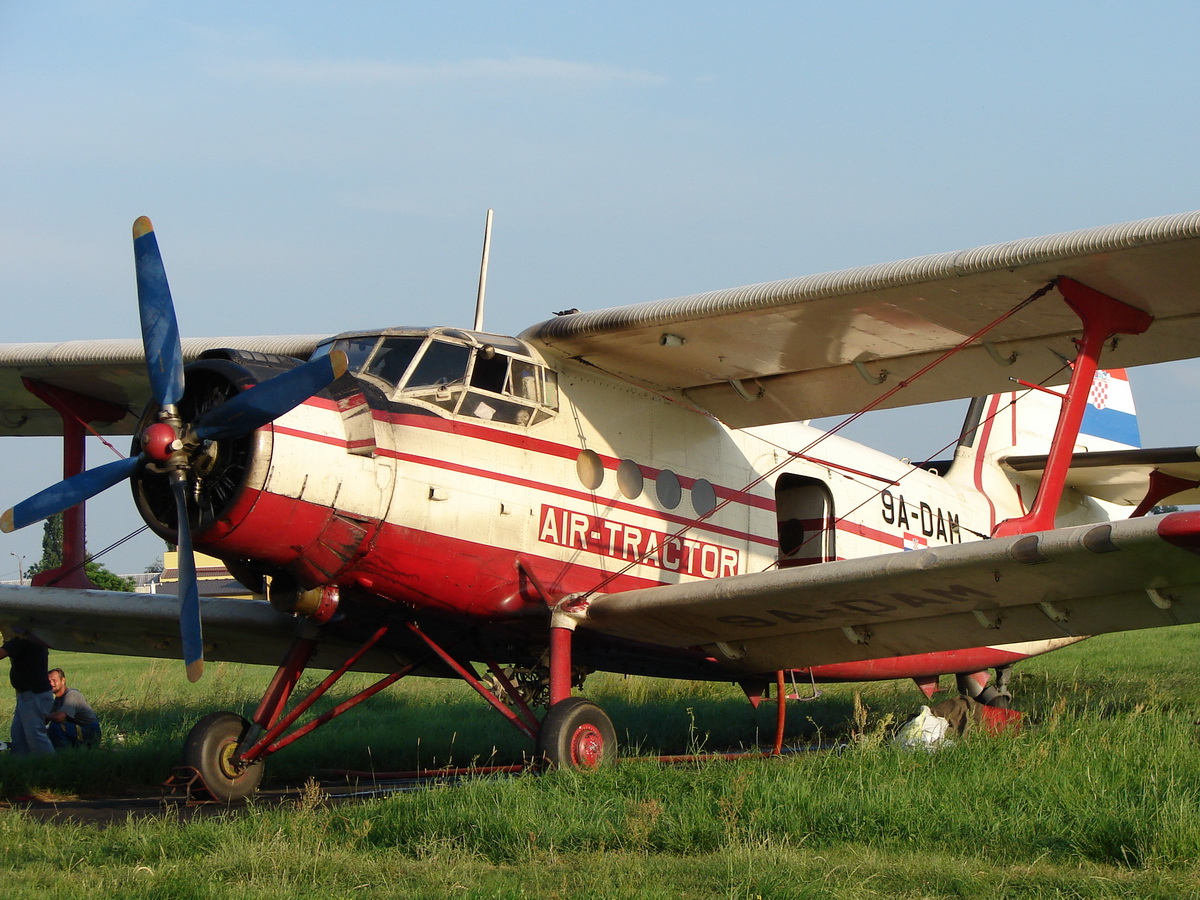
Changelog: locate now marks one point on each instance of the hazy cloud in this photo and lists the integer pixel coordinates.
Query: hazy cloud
(368, 71)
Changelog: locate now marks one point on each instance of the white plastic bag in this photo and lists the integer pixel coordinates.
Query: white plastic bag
(924, 730)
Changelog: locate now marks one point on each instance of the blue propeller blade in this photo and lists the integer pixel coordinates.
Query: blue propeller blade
(268, 401)
(68, 493)
(160, 330)
(190, 630)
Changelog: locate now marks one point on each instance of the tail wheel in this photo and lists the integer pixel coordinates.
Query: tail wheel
(577, 734)
(210, 748)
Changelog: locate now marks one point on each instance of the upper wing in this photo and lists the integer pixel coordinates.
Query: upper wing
(113, 371)
(1090, 579)
(1123, 476)
(811, 347)
(248, 631)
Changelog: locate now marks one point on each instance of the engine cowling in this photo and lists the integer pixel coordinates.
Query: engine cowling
(220, 469)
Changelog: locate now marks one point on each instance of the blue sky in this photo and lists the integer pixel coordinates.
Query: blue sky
(313, 167)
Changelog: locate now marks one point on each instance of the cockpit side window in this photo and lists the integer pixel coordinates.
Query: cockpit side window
(505, 388)
(490, 371)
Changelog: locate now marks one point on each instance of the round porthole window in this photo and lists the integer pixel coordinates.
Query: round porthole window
(590, 469)
(704, 498)
(629, 479)
(666, 485)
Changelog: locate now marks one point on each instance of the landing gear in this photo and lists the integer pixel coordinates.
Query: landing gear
(577, 734)
(975, 686)
(210, 749)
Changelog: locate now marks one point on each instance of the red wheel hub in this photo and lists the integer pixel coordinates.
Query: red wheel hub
(587, 747)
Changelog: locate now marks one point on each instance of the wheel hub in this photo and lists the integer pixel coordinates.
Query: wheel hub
(587, 747)
(227, 763)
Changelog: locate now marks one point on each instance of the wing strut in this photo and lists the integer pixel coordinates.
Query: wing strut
(75, 410)
(1103, 317)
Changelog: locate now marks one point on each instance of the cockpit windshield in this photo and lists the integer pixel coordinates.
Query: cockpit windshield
(393, 357)
(455, 372)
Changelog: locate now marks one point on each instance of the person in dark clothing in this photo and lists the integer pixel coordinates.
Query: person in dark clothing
(30, 678)
(72, 723)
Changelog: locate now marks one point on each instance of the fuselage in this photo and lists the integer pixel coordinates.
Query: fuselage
(466, 477)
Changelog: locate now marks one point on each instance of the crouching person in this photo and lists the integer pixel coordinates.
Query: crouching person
(71, 721)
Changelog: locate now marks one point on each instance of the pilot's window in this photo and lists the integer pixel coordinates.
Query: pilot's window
(550, 388)
(442, 365)
(490, 371)
(393, 357)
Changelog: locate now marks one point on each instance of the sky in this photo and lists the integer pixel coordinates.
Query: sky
(316, 168)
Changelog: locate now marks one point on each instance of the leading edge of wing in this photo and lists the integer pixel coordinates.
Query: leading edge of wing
(1084, 580)
(813, 346)
(147, 625)
(113, 371)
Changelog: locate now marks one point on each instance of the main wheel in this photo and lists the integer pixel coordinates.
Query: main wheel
(209, 750)
(577, 734)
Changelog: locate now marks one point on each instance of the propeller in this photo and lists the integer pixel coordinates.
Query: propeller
(169, 444)
(68, 493)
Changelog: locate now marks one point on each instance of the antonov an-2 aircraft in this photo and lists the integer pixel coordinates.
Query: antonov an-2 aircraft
(636, 489)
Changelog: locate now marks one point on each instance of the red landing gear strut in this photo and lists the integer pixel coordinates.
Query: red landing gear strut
(226, 753)
(576, 733)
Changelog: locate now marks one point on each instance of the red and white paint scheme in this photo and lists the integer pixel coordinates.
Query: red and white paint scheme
(636, 490)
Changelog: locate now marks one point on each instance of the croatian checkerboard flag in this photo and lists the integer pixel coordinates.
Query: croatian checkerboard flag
(1109, 414)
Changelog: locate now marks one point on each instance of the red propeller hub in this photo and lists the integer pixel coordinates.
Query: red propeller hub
(159, 440)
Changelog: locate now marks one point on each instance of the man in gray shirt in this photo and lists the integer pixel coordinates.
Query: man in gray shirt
(72, 723)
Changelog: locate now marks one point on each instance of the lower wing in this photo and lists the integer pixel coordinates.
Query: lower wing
(127, 624)
(1085, 580)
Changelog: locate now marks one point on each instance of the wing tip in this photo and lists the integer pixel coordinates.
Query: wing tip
(142, 226)
(7, 525)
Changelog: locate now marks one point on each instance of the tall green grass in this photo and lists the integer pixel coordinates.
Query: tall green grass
(1098, 797)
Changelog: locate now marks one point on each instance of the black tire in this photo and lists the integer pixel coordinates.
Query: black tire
(209, 750)
(577, 734)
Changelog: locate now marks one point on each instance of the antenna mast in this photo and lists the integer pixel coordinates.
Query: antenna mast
(483, 267)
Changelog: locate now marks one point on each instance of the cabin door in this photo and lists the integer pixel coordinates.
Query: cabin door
(804, 507)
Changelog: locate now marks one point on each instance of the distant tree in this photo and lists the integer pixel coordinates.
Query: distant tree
(1163, 510)
(52, 543)
(106, 580)
(155, 568)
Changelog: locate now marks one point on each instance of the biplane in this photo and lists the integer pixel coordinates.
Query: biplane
(637, 489)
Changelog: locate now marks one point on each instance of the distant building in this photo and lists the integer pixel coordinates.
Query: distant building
(145, 582)
(212, 578)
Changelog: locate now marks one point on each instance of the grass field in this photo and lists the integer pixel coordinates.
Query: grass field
(1098, 797)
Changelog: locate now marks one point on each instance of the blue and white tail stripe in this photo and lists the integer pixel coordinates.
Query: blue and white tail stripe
(1109, 415)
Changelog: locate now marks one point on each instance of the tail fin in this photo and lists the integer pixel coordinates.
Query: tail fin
(1022, 423)
(1110, 421)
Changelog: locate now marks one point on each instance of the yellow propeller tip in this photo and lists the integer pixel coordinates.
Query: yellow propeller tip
(6, 522)
(340, 362)
(141, 226)
(195, 670)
